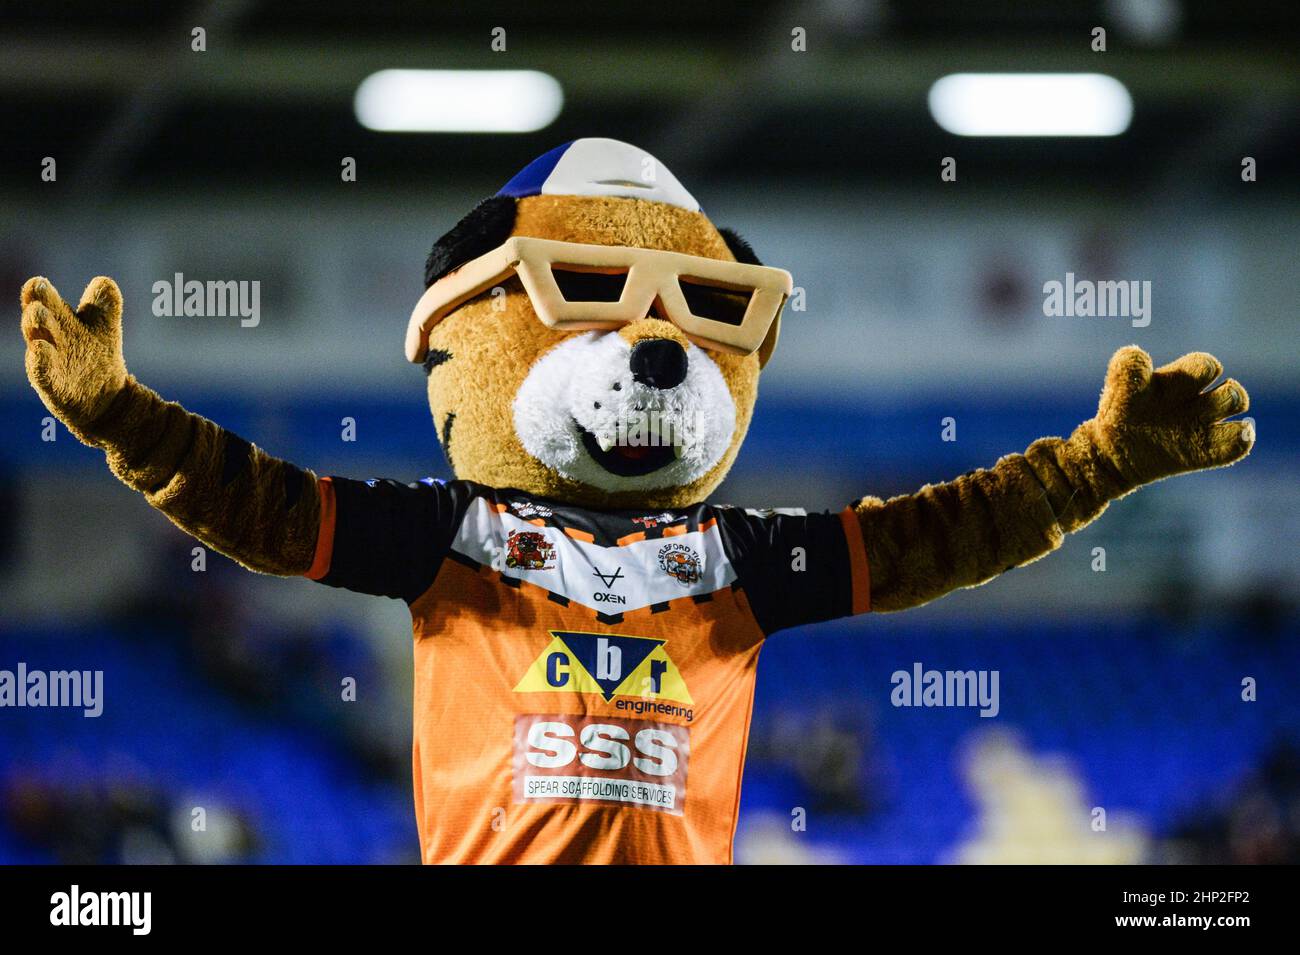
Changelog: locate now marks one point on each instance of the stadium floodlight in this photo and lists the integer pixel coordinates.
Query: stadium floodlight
(1031, 104)
(458, 101)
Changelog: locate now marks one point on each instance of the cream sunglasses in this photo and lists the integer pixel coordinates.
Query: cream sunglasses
(724, 306)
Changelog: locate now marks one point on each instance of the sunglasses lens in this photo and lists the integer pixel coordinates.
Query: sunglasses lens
(579, 286)
(716, 304)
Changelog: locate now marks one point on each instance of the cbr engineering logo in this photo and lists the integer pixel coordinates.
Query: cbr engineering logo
(609, 664)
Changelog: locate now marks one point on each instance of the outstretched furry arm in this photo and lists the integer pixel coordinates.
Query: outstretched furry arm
(1150, 424)
(231, 495)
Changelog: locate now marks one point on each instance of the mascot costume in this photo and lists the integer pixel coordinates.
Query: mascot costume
(586, 626)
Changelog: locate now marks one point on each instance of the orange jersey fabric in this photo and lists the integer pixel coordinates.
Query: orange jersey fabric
(583, 680)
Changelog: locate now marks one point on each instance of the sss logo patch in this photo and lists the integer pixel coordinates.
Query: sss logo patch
(606, 663)
(563, 758)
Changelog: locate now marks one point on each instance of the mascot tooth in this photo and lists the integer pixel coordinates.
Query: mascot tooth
(586, 624)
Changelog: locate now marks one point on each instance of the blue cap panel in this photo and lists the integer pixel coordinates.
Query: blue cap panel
(529, 180)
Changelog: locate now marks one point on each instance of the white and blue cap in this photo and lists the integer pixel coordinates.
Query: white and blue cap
(599, 167)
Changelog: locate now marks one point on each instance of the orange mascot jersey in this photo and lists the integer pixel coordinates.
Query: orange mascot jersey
(583, 679)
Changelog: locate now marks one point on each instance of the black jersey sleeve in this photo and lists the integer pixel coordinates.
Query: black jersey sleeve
(384, 537)
(797, 568)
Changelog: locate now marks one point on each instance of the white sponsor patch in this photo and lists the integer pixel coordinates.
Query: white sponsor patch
(592, 575)
(565, 758)
(608, 790)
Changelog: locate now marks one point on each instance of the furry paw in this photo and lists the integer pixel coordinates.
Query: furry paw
(74, 357)
(1153, 423)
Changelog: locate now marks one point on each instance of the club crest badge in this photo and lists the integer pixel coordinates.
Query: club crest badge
(682, 562)
(529, 550)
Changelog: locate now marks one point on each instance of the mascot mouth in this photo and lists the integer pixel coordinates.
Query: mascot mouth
(582, 414)
(628, 460)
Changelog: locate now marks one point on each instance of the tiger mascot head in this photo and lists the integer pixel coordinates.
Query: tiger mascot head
(590, 336)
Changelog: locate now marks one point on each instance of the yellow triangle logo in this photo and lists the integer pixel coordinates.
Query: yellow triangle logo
(560, 669)
(557, 665)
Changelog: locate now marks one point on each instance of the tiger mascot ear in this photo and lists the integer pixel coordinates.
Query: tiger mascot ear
(632, 413)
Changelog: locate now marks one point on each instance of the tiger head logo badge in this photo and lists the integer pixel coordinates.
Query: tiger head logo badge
(681, 562)
(529, 550)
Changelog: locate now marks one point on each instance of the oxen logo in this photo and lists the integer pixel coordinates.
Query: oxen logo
(681, 562)
(609, 580)
(529, 550)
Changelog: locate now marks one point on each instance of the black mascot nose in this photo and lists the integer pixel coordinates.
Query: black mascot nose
(658, 362)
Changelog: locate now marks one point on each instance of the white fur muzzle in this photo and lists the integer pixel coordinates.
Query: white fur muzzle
(585, 384)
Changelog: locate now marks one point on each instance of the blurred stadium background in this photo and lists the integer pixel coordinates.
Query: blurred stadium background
(1119, 689)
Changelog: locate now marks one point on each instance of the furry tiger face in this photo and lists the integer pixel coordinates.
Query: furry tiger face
(631, 417)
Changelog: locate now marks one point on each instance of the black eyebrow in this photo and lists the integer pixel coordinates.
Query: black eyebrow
(434, 358)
